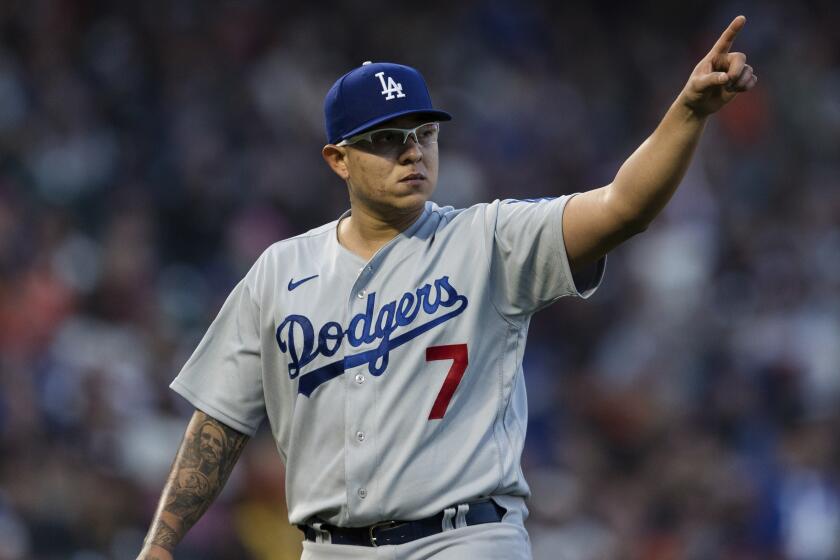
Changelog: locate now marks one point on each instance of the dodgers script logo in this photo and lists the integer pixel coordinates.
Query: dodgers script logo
(296, 335)
(391, 87)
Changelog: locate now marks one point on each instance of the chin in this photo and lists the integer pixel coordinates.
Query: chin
(417, 197)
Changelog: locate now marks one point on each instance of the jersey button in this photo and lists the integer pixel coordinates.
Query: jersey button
(362, 493)
(360, 378)
(361, 294)
(360, 436)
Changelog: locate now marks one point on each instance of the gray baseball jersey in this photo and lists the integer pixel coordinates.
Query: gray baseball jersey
(394, 387)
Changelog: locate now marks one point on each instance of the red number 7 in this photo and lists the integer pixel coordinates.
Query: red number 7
(458, 354)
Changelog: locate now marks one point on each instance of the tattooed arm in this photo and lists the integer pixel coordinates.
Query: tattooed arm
(202, 466)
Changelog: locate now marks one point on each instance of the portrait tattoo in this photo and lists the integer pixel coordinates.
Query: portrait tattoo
(206, 458)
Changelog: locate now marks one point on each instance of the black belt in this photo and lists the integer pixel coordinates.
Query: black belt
(399, 532)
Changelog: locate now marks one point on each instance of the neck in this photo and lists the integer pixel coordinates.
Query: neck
(364, 232)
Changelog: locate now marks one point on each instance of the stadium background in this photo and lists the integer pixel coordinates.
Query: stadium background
(149, 151)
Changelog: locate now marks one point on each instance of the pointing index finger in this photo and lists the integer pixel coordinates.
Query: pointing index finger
(723, 44)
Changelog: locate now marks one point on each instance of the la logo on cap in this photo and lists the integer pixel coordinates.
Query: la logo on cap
(353, 104)
(391, 87)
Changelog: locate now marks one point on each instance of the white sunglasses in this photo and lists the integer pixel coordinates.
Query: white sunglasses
(393, 138)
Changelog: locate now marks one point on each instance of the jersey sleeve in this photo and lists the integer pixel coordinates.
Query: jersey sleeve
(223, 377)
(529, 267)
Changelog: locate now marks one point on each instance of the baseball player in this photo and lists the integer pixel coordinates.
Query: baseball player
(385, 348)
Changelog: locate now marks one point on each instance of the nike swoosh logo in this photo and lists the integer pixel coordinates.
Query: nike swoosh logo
(293, 284)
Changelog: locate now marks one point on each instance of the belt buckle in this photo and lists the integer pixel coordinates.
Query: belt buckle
(375, 526)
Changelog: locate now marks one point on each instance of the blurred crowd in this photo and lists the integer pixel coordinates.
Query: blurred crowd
(150, 151)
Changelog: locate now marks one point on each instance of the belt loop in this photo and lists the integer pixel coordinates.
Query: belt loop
(446, 523)
(322, 536)
(461, 516)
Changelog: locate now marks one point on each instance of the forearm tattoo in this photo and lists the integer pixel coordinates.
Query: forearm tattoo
(166, 536)
(205, 460)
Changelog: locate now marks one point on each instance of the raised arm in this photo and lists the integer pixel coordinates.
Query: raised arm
(206, 458)
(596, 221)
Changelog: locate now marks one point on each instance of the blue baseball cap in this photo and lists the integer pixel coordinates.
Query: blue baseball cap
(374, 93)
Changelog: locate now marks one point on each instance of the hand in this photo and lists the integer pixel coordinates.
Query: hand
(720, 76)
(154, 552)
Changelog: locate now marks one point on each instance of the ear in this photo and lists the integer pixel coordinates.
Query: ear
(336, 158)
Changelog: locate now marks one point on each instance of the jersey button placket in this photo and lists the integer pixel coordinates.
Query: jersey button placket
(360, 448)
(364, 276)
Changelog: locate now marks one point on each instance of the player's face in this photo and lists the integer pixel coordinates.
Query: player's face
(401, 177)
